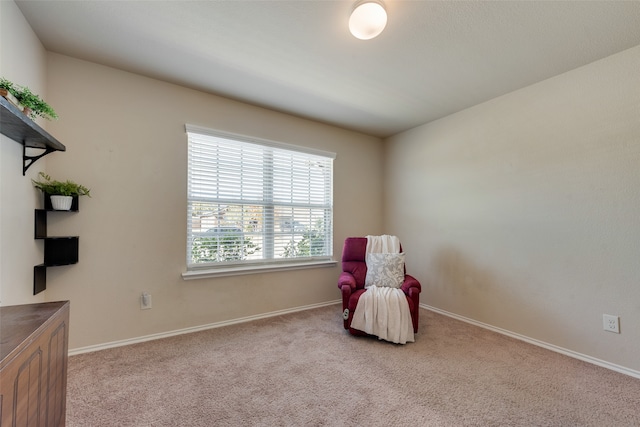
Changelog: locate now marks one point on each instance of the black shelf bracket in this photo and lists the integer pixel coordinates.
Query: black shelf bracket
(17, 126)
(29, 160)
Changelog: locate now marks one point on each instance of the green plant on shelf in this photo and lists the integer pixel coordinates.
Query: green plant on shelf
(29, 100)
(61, 188)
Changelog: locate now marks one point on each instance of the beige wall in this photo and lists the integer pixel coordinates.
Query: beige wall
(126, 140)
(523, 212)
(22, 61)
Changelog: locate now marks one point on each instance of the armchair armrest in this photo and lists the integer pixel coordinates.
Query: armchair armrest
(411, 285)
(347, 279)
(412, 288)
(347, 284)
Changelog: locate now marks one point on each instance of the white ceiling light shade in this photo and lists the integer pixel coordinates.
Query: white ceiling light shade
(368, 19)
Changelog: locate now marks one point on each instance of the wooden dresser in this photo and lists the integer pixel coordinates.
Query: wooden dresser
(33, 365)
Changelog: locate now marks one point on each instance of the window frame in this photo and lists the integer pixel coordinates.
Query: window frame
(217, 269)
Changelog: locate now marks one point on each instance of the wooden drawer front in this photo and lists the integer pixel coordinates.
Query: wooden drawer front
(57, 376)
(26, 392)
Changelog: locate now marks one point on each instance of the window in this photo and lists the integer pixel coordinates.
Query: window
(255, 203)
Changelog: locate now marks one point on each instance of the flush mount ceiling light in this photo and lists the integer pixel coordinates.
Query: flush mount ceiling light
(368, 19)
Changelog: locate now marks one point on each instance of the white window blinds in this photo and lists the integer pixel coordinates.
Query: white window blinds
(252, 201)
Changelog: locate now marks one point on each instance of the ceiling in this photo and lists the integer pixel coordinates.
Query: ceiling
(434, 57)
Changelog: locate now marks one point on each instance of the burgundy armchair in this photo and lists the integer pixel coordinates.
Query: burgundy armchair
(351, 283)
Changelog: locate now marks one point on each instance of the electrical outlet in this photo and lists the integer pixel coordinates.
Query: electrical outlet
(611, 323)
(145, 301)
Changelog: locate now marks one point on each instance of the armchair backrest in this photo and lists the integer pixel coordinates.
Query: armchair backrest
(353, 259)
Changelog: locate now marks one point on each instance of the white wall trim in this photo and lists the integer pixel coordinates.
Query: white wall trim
(566, 352)
(161, 335)
(253, 269)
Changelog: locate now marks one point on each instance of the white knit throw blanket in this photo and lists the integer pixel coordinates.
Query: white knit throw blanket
(384, 244)
(384, 311)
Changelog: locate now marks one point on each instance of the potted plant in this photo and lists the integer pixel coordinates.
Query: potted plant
(60, 192)
(7, 90)
(32, 105)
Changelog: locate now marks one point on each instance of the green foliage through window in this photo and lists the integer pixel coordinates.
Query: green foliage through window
(311, 244)
(230, 247)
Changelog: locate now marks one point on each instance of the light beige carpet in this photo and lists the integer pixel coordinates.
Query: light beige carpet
(304, 369)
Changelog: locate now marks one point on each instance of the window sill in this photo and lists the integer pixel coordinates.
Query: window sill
(254, 269)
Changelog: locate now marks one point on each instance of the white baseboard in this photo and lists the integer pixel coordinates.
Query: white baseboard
(130, 341)
(570, 353)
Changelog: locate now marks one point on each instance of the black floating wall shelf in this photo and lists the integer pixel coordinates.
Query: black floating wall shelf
(57, 250)
(17, 126)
